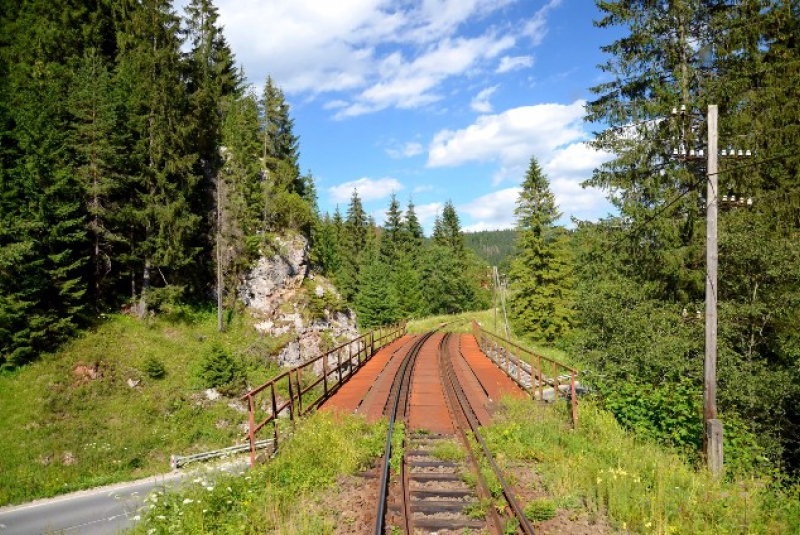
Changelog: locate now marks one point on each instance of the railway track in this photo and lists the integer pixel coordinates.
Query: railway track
(442, 484)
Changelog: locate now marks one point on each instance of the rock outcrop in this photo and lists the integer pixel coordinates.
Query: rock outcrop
(300, 308)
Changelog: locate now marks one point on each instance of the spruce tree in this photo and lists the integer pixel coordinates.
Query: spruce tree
(412, 230)
(97, 144)
(163, 184)
(392, 237)
(448, 230)
(375, 303)
(355, 239)
(541, 295)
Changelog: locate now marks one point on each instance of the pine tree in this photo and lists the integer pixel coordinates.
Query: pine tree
(406, 286)
(412, 229)
(445, 285)
(392, 237)
(375, 303)
(97, 144)
(541, 299)
(44, 249)
(213, 82)
(164, 184)
(448, 230)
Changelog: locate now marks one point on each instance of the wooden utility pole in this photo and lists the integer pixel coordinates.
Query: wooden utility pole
(494, 296)
(712, 438)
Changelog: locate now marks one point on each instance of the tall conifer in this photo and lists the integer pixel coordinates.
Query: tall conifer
(541, 299)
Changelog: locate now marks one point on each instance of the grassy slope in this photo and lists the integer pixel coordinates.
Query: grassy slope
(640, 486)
(60, 433)
(286, 496)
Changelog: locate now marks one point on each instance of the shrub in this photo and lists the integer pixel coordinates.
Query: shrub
(154, 368)
(219, 369)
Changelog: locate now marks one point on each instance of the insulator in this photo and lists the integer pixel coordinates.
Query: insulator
(683, 108)
(674, 152)
(700, 153)
(674, 111)
(748, 153)
(741, 152)
(749, 201)
(724, 153)
(691, 153)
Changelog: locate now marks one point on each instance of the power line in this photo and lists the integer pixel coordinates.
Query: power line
(641, 226)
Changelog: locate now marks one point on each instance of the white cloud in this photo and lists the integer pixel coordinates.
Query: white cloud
(536, 28)
(509, 63)
(423, 188)
(411, 84)
(334, 43)
(368, 189)
(426, 212)
(406, 151)
(374, 53)
(511, 137)
(492, 211)
(554, 133)
(334, 104)
(481, 102)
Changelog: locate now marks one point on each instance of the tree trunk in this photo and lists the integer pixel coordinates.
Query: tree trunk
(145, 289)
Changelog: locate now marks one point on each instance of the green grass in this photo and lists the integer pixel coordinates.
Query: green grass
(449, 451)
(640, 486)
(285, 496)
(61, 431)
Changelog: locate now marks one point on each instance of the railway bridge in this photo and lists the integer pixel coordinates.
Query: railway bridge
(442, 387)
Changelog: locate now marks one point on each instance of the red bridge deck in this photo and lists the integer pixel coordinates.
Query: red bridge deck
(484, 383)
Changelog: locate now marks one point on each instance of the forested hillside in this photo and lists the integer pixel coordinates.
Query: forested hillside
(131, 154)
(495, 247)
(393, 272)
(139, 171)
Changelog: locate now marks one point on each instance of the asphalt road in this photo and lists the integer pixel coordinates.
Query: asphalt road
(102, 511)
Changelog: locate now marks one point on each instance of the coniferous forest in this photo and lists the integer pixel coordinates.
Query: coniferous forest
(138, 170)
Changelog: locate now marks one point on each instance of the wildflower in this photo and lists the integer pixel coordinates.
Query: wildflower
(187, 500)
(649, 524)
(624, 525)
(599, 480)
(161, 517)
(209, 489)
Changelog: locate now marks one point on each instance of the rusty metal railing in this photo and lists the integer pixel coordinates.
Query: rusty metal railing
(545, 375)
(331, 369)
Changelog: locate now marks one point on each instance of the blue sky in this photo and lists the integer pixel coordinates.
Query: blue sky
(432, 99)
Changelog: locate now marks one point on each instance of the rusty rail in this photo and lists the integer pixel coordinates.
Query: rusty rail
(508, 357)
(330, 369)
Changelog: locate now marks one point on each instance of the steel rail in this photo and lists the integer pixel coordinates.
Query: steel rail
(467, 411)
(402, 376)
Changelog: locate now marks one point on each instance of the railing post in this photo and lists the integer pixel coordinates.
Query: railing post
(299, 393)
(325, 374)
(574, 400)
(291, 397)
(555, 382)
(541, 377)
(274, 419)
(339, 366)
(252, 432)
